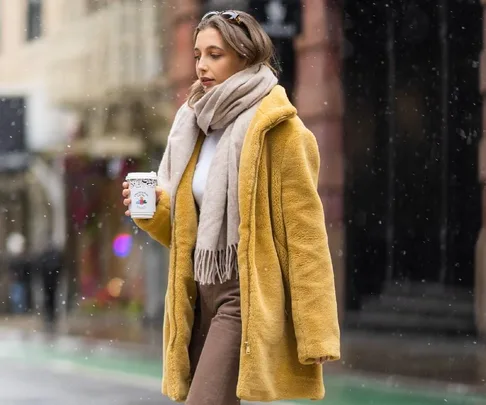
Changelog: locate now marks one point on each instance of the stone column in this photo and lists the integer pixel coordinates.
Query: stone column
(184, 16)
(319, 99)
(480, 270)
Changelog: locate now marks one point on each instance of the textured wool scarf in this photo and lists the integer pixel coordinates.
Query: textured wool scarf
(230, 106)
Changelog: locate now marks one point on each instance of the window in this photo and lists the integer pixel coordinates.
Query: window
(34, 19)
(12, 136)
(96, 5)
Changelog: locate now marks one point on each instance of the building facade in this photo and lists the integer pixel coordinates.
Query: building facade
(90, 75)
(31, 125)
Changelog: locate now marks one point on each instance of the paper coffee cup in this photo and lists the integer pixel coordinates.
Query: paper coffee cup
(142, 194)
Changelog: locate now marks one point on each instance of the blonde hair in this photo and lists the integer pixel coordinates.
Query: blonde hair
(247, 38)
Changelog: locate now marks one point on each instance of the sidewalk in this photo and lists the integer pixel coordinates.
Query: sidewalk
(126, 352)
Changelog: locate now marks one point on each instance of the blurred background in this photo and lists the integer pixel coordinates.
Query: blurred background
(392, 91)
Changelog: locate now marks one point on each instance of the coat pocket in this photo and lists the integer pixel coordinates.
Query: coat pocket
(268, 310)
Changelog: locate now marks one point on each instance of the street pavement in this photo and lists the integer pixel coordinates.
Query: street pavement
(40, 370)
(35, 384)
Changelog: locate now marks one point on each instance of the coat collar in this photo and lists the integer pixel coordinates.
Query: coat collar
(273, 109)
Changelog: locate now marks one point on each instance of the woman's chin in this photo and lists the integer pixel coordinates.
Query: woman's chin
(210, 86)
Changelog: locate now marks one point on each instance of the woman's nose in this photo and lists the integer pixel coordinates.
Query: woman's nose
(202, 68)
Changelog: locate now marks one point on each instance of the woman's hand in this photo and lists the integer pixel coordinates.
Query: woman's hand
(126, 195)
(127, 200)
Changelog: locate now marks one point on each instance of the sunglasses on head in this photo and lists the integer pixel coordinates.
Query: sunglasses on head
(228, 15)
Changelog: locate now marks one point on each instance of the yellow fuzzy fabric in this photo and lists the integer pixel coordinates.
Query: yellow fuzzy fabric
(288, 302)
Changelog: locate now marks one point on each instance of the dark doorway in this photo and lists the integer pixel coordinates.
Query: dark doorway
(413, 118)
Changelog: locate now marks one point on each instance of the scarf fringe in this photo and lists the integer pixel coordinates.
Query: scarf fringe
(211, 265)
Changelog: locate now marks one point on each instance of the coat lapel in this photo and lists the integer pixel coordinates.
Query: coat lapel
(274, 109)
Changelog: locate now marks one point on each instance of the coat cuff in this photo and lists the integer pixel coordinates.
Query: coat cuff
(310, 354)
(158, 227)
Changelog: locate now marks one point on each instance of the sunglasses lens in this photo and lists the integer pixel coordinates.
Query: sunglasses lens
(230, 15)
(209, 14)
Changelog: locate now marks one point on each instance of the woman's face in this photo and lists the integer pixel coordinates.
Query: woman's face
(216, 61)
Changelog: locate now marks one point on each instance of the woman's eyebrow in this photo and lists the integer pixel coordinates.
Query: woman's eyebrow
(210, 47)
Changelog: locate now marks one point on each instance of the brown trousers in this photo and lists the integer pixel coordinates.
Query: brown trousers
(215, 345)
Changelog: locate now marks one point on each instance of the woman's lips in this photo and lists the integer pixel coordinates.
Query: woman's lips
(207, 82)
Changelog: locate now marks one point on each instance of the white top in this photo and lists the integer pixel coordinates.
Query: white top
(206, 155)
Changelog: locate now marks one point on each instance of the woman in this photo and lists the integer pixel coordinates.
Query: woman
(250, 306)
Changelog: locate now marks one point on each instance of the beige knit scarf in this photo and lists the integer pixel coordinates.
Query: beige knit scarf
(229, 106)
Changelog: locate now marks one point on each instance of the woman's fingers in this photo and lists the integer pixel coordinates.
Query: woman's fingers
(126, 194)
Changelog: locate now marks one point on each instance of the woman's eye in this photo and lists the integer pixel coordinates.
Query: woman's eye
(197, 57)
(215, 56)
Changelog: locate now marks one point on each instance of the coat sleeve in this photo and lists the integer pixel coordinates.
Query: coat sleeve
(158, 227)
(312, 289)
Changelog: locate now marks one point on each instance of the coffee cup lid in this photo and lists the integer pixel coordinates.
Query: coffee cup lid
(141, 175)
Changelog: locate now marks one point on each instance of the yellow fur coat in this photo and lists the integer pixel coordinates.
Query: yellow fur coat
(288, 302)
